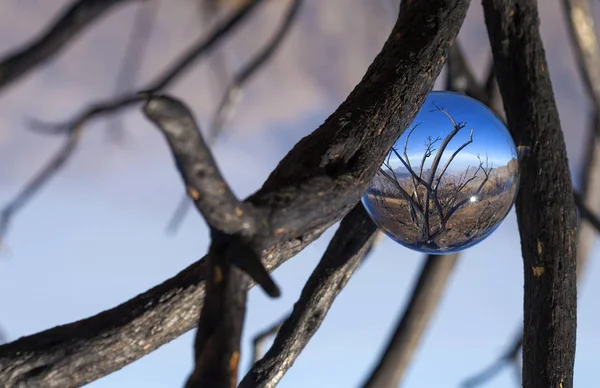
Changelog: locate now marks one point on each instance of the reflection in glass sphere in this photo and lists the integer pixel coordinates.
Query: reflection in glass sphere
(449, 180)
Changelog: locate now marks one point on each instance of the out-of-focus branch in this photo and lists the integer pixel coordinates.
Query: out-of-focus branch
(586, 213)
(302, 199)
(509, 358)
(460, 77)
(209, 12)
(78, 16)
(132, 60)
(425, 297)
(272, 330)
(74, 128)
(580, 20)
(545, 206)
(346, 250)
(37, 182)
(234, 94)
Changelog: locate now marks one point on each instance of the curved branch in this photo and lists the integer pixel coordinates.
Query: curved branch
(303, 200)
(233, 96)
(545, 206)
(402, 345)
(346, 250)
(74, 127)
(73, 20)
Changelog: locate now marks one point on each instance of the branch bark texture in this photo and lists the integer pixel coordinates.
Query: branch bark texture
(315, 185)
(346, 250)
(545, 205)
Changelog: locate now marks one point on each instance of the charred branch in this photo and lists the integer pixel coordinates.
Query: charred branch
(545, 207)
(303, 199)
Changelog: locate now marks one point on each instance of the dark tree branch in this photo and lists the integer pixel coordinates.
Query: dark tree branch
(545, 205)
(346, 250)
(263, 336)
(404, 341)
(74, 128)
(584, 37)
(234, 94)
(73, 20)
(233, 224)
(204, 183)
(303, 200)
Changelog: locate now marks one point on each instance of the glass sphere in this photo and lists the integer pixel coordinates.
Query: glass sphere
(450, 179)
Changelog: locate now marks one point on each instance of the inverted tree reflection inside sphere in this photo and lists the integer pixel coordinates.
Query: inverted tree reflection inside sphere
(450, 179)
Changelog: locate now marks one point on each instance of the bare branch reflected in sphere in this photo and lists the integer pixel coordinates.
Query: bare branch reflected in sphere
(450, 179)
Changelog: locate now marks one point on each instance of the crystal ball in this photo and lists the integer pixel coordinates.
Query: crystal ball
(449, 180)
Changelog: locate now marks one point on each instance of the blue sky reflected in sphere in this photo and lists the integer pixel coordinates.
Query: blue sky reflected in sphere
(450, 179)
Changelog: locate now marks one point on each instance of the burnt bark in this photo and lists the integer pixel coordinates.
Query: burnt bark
(316, 184)
(545, 206)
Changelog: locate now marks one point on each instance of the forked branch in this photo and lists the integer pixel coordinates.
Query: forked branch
(234, 93)
(303, 199)
(73, 129)
(234, 226)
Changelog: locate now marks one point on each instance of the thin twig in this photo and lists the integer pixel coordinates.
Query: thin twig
(425, 297)
(73, 20)
(137, 44)
(74, 128)
(545, 206)
(262, 337)
(233, 96)
(346, 250)
(509, 358)
(302, 200)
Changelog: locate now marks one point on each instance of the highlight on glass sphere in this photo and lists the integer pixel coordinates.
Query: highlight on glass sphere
(449, 180)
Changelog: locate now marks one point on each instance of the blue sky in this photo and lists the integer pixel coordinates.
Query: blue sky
(491, 139)
(95, 236)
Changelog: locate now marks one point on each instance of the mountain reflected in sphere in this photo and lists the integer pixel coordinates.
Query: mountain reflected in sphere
(450, 179)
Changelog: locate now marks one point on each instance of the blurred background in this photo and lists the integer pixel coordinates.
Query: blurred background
(94, 236)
